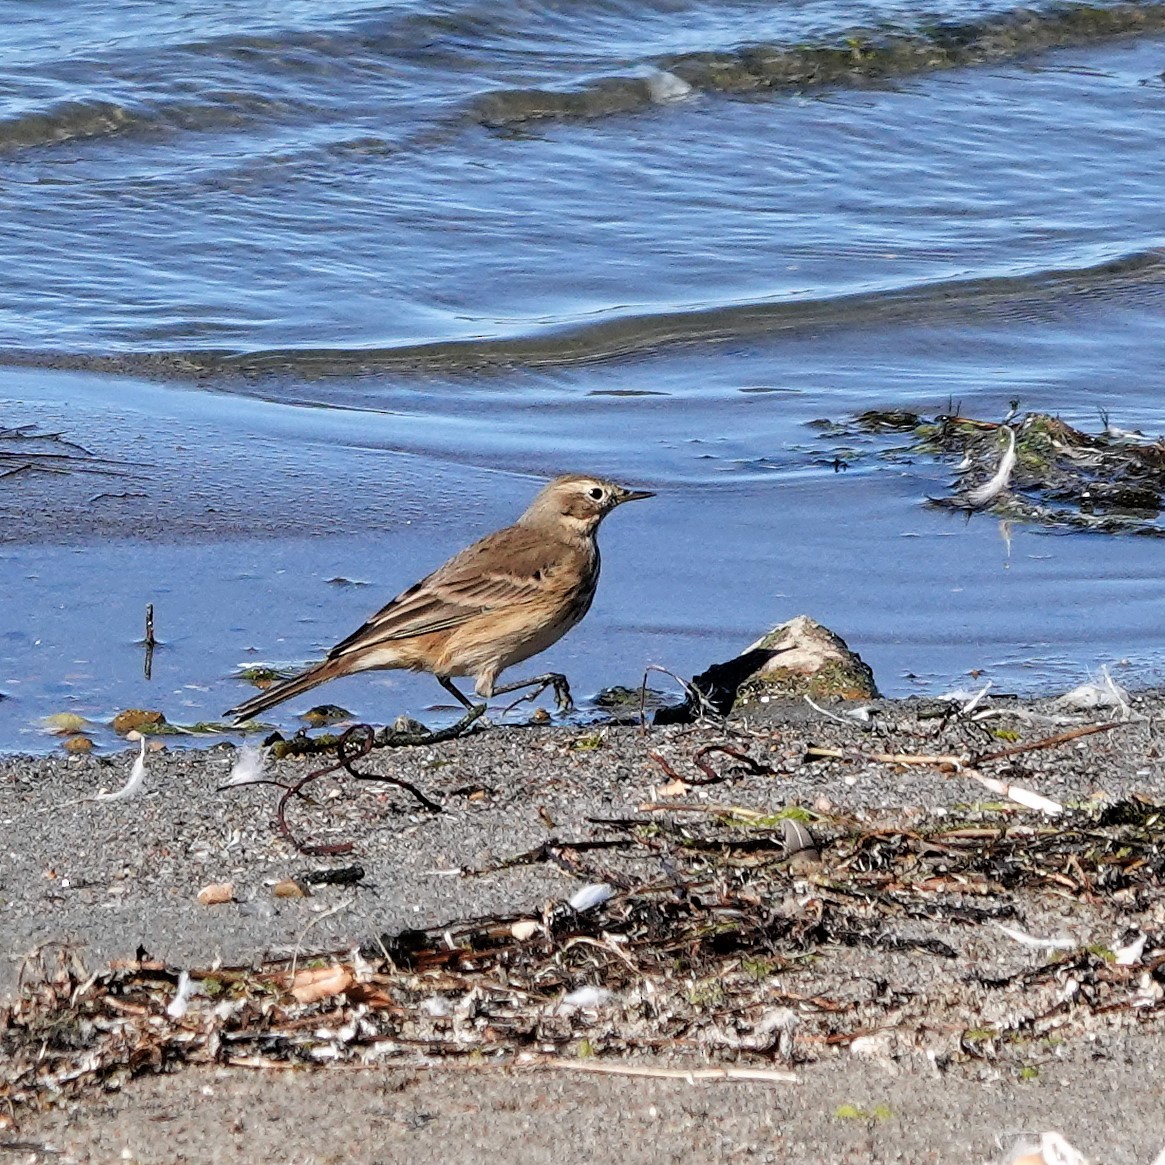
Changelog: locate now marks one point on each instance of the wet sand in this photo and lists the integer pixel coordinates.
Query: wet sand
(116, 877)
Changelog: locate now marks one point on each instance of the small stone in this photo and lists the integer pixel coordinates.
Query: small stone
(406, 725)
(290, 888)
(216, 893)
(77, 744)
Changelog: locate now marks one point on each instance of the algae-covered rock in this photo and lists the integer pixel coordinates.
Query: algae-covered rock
(624, 699)
(263, 676)
(806, 659)
(64, 723)
(323, 714)
(141, 720)
(795, 659)
(77, 744)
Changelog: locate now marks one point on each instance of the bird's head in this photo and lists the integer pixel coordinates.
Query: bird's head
(579, 502)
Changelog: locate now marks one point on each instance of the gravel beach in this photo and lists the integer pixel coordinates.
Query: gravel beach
(899, 1069)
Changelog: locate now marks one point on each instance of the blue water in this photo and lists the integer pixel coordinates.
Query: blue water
(337, 286)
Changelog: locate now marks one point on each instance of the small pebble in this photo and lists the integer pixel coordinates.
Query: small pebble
(216, 893)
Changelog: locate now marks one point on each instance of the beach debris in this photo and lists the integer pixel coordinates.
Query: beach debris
(250, 767)
(969, 764)
(971, 700)
(679, 785)
(149, 643)
(358, 741)
(216, 893)
(1105, 693)
(137, 777)
(690, 1075)
(25, 449)
(796, 659)
(1048, 473)
(858, 715)
(304, 745)
(712, 943)
(1048, 1149)
(263, 675)
(335, 876)
(798, 841)
(409, 726)
(1129, 954)
(141, 720)
(310, 985)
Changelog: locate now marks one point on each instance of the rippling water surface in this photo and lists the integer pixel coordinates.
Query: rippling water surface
(338, 283)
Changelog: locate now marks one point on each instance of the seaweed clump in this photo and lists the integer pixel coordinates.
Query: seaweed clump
(1039, 469)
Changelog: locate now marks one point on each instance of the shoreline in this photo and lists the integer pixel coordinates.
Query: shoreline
(123, 878)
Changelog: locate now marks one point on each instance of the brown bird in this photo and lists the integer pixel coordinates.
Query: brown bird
(496, 603)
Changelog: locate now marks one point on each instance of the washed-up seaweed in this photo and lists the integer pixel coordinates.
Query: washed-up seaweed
(1032, 468)
(709, 940)
(26, 449)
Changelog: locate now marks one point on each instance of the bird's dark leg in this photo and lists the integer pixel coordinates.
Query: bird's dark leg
(451, 688)
(552, 679)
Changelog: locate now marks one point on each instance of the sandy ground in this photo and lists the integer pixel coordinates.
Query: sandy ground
(119, 877)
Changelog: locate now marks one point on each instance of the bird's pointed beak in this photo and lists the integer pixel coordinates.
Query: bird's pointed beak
(634, 495)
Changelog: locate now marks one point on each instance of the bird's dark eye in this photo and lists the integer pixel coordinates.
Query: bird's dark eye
(597, 494)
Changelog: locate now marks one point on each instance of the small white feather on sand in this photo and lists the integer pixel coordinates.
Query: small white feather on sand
(133, 786)
(249, 767)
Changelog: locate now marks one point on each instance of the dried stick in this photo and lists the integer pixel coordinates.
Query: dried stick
(967, 765)
(599, 1067)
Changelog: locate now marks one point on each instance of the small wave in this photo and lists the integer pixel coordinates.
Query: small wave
(1025, 296)
(853, 57)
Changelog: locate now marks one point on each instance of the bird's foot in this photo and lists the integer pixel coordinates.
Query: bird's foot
(562, 698)
(555, 680)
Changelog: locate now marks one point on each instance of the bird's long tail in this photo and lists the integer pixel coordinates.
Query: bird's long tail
(277, 693)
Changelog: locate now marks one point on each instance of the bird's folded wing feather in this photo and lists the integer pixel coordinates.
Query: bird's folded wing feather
(503, 570)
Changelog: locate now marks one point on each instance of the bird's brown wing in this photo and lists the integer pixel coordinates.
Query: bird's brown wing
(506, 569)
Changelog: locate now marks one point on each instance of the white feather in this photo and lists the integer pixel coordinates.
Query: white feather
(176, 1008)
(590, 896)
(133, 786)
(1032, 940)
(249, 767)
(990, 490)
(587, 997)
